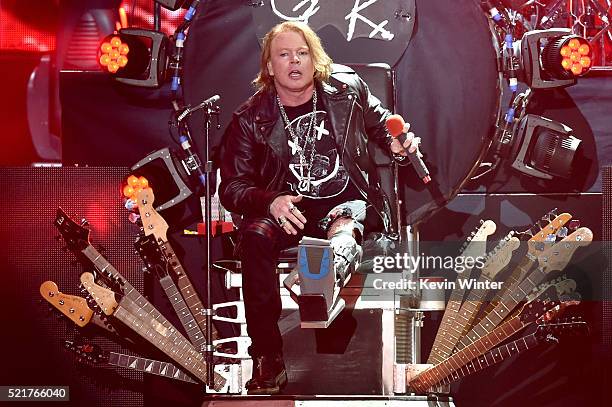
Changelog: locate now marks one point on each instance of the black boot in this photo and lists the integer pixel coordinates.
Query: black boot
(269, 375)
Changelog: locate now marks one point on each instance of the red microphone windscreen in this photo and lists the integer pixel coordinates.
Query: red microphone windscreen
(395, 124)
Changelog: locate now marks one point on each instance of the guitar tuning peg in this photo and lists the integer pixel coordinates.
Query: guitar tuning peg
(562, 232)
(134, 218)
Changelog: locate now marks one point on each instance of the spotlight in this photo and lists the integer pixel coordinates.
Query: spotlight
(135, 56)
(544, 148)
(553, 58)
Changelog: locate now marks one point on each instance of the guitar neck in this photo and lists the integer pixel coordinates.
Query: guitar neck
(441, 371)
(128, 290)
(186, 288)
(102, 265)
(169, 341)
(493, 357)
(461, 323)
(195, 334)
(503, 309)
(155, 367)
(148, 322)
(441, 347)
(511, 282)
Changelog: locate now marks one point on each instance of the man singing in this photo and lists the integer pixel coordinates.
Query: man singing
(295, 162)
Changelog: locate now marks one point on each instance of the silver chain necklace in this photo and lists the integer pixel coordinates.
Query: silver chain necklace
(304, 183)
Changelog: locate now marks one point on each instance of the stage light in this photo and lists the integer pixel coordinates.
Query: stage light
(552, 58)
(566, 57)
(133, 185)
(544, 148)
(143, 182)
(133, 181)
(128, 191)
(136, 57)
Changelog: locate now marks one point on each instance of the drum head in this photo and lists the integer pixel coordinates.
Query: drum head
(446, 76)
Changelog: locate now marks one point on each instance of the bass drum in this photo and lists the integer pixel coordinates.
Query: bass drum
(447, 82)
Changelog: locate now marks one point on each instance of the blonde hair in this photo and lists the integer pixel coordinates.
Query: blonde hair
(321, 61)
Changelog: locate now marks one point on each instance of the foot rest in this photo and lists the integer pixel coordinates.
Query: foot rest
(314, 274)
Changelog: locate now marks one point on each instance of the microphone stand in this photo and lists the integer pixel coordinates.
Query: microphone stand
(210, 109)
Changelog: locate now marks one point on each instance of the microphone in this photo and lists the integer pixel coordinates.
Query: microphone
(207, 102)
(395, 125)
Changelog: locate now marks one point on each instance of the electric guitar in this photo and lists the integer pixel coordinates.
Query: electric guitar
(168, 340)
(496, 261)
(75, 308)
(93, 354)
(535, 245)
(139, 313)
(555, 257)
(475, 247)
(544, 333)
(531, 312)
(77, 240)
(150, 253)
(154, 225)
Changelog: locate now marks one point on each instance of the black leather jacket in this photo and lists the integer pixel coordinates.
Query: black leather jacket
(254, 158)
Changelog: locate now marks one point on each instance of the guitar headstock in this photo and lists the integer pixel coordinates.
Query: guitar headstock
(75, 308)
(500, 256)
(87, 352)
(548, 233)
(76, 236)
(559, 255)
(551, 332)
(150, 253)
(476, 242)
(152, 222)
(566, 288)
(536, 309)
(104, 297)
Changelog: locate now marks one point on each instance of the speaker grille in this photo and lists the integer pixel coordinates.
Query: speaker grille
(607, 246)
(33, 334)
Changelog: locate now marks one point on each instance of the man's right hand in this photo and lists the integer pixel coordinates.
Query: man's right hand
(288, 216)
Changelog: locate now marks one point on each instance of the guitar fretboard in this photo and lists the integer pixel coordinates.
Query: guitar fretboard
(503, 309)
(493, 357)
(439, 372)
(155, 367)
(171, 342)
(143, 316)
(441, 349)
(194, 332)
(190, 296)
(510, 283)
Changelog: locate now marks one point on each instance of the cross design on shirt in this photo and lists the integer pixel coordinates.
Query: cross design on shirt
(321, 130)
